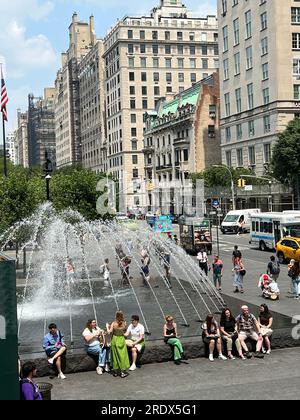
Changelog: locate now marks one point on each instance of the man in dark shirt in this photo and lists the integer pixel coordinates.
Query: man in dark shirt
(236, 254)
(273, 268)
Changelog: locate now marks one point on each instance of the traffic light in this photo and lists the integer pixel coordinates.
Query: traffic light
(241, 183)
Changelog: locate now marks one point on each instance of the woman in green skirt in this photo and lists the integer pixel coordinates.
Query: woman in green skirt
(118, 349)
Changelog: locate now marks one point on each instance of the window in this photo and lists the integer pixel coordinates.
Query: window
(133, 118)
(237, 64)
(156, 77)
(266, 96)
(179, 36)
(239, 132)
(132, 90)
(251, 131)
(155, 63)
(265, 71)
(167, 36)
(144, 77)
(263, 21)
(264, 46)
(297, 92)
(132, 103)
(204, 49)
(204, 63)
(130, 48)
(296, 41)
(143, 62)
(169, 89)
(144, 104)
(211, 131)
(142, 48)
(167, 49)
(228, 158)
(180, 77)
(144, 90)
(180, 63)
(155, 49)
(227, 133)
(249, 58)
(135, 173)
(248, 24)
(180, 49)
(131, 76)
(133, 131)
(204, 36)
(225, 38)
(134, 159)
(227, 104)
(224, 7)
(267, 153)
(193, 77)
(130, 34)
(192, 36)
(142, 34)
(295, 14)
(239, 158)
(192, 50)
(185, 155)
(236, 31)
(154, 35)
(267, 124)
(251, 153)
(296, 67)
(192, 63)
(131, 62)
(168, 77)
(168, 63)
(250, 95)
(226, 69)
(238, 100)
(134, 145)
(156, 90)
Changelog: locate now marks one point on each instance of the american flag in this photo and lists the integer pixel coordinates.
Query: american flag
(4, 98)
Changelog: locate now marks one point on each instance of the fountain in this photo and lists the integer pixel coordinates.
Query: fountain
(46, 294)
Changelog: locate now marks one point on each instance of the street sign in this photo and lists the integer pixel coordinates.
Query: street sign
(212, 212)
(215, 204)
(248, 188)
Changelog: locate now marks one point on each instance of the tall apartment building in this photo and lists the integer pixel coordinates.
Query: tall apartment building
(67, 103)
(11, 147)
(147, 58)
(260, 77)
(92, 109)
(41, 128)
(22, 157)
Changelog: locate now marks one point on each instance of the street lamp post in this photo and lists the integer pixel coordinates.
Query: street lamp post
(47, 170)
(232, 183)
(48, 179)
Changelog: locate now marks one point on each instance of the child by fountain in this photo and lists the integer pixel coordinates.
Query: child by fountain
(145, 266)
(105, 270)
(70, 270)
(54, 346)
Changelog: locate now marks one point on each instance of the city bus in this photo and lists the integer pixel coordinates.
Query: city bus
(268, 228)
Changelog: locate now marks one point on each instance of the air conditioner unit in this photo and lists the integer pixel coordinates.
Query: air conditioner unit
(212, 115)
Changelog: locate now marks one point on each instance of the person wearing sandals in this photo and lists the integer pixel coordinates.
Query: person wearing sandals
(239, 273)
(118, 349)
(211, 336)
(248, 327)
(229, 333)
(95, 345)
(265, 320)
(171, 338)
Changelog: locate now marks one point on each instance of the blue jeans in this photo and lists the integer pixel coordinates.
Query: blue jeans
(295, 285)
(102, 352)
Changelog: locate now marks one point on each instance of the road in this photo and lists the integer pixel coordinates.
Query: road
(274, 377)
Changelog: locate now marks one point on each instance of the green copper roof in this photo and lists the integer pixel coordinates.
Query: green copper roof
(189, 96)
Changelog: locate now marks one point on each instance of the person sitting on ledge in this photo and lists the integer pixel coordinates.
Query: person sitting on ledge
(135, 335)
(248, 327)
(54, 346)
(95, 345)
(211, 336)
(29, 390)
(171, 337)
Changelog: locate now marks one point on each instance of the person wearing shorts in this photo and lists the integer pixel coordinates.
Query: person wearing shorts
(248, 327)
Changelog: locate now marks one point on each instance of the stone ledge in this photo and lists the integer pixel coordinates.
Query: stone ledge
(155, 352)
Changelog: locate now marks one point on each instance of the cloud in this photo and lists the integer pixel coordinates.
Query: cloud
(26, 9)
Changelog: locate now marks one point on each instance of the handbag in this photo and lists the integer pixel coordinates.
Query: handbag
(243, 272)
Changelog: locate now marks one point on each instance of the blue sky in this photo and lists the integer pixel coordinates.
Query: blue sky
(33, 33)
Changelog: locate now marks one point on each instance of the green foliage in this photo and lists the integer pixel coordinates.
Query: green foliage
(285, 160)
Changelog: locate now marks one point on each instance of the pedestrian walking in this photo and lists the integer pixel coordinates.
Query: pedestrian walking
(203, 260)
(218, 272)
(273, 268)
(236, 254)
(239, 273)
(294, 273)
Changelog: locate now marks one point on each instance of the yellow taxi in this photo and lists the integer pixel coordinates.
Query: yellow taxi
(287, 249)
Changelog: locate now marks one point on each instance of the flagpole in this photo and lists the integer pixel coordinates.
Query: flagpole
(4, 147)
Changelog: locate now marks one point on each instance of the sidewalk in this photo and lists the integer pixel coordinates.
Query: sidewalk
(274, 377)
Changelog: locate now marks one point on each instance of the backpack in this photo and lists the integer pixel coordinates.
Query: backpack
(275, 268)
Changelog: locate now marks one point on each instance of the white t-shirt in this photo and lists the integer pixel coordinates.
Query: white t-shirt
(202, 257)
(95, 340)
(135, 332)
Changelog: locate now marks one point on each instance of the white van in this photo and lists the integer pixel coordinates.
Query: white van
(232, 221)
